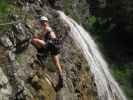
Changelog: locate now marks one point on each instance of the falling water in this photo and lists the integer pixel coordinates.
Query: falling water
(107, 87)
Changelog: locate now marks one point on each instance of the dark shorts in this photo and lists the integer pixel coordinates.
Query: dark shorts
(50, 48)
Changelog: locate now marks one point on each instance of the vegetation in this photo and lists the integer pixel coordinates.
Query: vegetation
(3, 13)
(124, 75)
(102, 29)
(3, 7)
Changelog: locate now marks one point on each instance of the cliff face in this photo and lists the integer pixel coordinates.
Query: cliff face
(23, 78)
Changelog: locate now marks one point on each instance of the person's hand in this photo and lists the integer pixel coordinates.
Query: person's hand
(38, 36)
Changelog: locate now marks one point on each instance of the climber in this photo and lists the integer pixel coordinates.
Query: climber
(46, 42)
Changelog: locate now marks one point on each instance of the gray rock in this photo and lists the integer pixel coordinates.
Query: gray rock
(6, 89)
(6, 42)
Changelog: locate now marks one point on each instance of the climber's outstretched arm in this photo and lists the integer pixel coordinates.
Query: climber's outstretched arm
(38, 43)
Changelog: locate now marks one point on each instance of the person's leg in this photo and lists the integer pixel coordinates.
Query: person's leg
(60, 81)
(38, 43)
(41, 52)
(56, 61)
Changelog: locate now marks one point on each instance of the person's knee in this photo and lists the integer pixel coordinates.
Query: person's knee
(34, 41)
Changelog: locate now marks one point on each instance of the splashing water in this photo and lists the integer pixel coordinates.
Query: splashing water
(107, 87)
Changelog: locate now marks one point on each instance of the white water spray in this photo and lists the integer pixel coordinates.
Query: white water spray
(107, 87)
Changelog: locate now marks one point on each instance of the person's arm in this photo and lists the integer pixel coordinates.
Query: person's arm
(39, 36)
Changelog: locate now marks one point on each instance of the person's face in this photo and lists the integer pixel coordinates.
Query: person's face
(44, 23)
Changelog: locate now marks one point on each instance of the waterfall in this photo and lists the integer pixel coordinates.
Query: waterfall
(107, 87)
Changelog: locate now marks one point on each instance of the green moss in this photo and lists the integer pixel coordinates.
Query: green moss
(3, 6)
(19, 59)
(5, 10)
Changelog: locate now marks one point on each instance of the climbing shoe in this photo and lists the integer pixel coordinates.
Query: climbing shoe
(60, 83)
